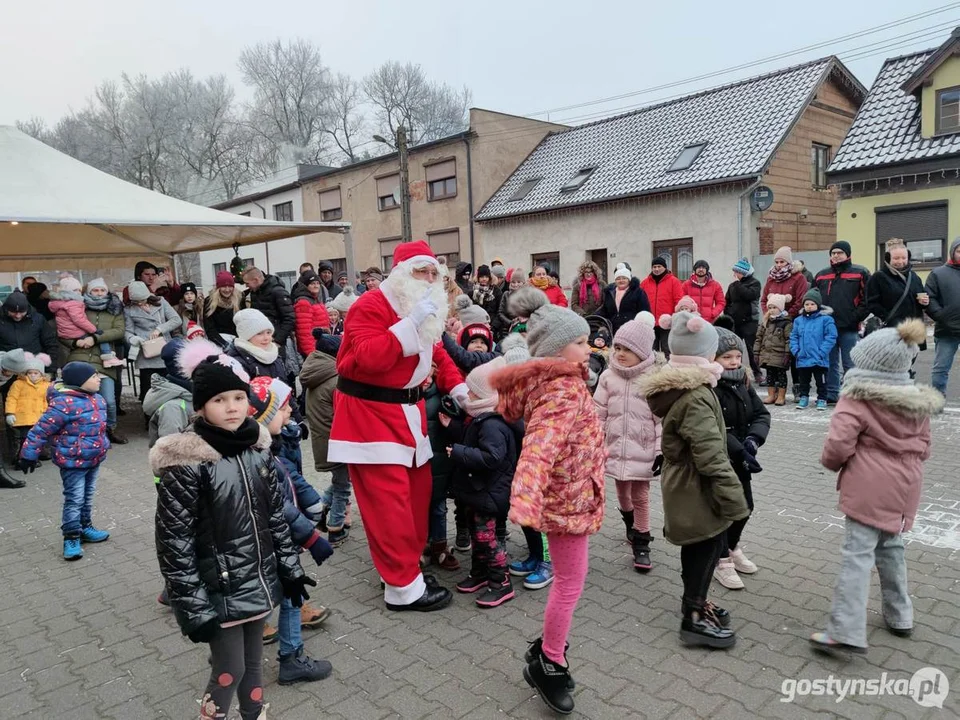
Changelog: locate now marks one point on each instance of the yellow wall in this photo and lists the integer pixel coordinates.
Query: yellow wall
(947, 75)
(861, 231)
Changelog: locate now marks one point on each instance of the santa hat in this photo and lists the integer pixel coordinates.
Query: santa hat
(194, 331)
(414, 254)
(267, 397)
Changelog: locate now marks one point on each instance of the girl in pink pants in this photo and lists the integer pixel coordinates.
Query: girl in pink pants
(558, 485)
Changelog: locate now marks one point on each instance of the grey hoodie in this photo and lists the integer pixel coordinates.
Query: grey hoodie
(168, 415)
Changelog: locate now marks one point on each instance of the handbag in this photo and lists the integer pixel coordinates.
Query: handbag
(152, 348)
(873, 323)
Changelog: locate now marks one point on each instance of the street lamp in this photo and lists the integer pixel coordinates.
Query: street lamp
(406, 234)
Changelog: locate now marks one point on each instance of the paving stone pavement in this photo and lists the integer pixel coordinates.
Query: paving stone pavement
(88, 639)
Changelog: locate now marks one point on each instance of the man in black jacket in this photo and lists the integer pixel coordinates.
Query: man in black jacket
(843, 287)
(743, 305)
(943, 289)
(268, 295)
(328, 288)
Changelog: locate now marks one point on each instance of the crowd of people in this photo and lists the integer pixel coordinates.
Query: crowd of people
(429, 384)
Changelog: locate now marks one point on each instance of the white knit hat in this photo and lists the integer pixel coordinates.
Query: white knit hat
(515, 350)
(95, 283)
(70, 284)
(342, 302)
(138, 291)
(249, 322)
(622, 271)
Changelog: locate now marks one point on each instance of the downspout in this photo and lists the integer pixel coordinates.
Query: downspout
(266, 245)
(740, 197)
(466, 141)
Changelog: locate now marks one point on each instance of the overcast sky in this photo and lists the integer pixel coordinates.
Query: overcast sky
(517, 56)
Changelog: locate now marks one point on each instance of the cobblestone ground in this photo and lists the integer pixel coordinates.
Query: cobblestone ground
(87, 640)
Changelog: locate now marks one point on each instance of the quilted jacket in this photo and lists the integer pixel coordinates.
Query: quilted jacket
(76, 424)
(709, 297)
(27, 400)
(485, 463)
(631, 429)
(222, 542)
(813, 337)
(772, 345)
(558, 485)
(309, 313)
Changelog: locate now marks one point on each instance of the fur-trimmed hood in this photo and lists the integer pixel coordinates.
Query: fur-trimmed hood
(592, 267)
(916, 401)
(663, 387)
(516, 383)
(188, 448)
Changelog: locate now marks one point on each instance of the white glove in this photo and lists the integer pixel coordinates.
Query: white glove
(423, 309)
(11, 420)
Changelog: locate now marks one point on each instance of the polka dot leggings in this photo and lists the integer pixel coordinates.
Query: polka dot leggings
(236, 667)
(569, 556)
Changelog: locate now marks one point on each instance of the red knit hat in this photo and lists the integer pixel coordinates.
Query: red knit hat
(225, 279)
(194, 331)
(417, 250)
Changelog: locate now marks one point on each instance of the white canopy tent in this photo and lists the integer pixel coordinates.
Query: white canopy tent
(57, 212)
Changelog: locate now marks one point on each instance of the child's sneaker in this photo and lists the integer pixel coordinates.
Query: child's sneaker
(91, 535)
(471, 584)
(803, 404)
(821, 404)
(741, 562)
(270, 634)
(522, 568)
(336, 538)
(72, 549)
(110, 360)
(726, 575)
(462, 542)
(497, 593)
(540, 578)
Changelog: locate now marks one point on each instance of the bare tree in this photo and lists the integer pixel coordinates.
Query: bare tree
(402, 95)
(35, 127)
(346, 123)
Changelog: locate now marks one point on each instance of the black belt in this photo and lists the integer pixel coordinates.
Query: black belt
(397, 396)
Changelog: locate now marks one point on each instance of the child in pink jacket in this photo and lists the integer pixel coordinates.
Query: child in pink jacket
(878, 440)
(70, 312)
(632, 431)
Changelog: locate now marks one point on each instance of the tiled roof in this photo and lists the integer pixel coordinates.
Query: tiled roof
(887, 128)
(742, 124)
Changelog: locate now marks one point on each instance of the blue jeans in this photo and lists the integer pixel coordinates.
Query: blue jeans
(288, 629)
(337, 497)
(79, 485)
(108, 392)
(846, 339)
(864, 547)
(438, 521)
(944, 352)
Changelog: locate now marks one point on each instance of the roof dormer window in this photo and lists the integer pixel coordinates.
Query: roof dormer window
(948, 110)
(578, 180)
(687, 157)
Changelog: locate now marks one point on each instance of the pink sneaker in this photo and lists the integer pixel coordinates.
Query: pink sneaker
(111, 361)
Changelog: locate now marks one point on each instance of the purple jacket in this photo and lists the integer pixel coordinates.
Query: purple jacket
(76, 423)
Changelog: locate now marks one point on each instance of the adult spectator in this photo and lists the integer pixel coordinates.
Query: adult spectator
(373, 278)
(309, 311)
(103, 309)
(147, 317)
(360, 284)
(743, 305)
(801, 267)
(268, 295)
(463, 276)
(664, 291)
(23, 327)
(586, 296)
(26, 282)
(330, 288)
(343, 281)
(498, 275)
(219, 308)
(38, 295)
(843, 287)
(785, 278)
(943, 289)
(706, 292)
(190, 308)
(623, 299)
(895, 293)
(542, 281)
(159, 284)
(485, 294)
(304, 267)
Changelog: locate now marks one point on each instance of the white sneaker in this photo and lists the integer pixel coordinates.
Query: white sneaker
(742, 563)
(726, 574)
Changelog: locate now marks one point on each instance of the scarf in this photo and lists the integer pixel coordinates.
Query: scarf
(266, 356)
(780, 275)
(482, 295)
(715, 370)
(476, 407)
(735, 377)
(228, 443)
(540, 283)
(629, 373)
(658, 278)
(898, 273)
(96, 304)
(69, 295)
(695, 279)
(877, 376)
(593, 286)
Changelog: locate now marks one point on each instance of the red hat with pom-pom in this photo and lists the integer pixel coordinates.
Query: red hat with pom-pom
(415, 254)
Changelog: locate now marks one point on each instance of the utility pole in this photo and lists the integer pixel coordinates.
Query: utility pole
(406, 234)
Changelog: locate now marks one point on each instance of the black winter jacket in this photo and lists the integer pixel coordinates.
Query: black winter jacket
(485, 463)
(217, 324)
(943, 286)
(884, 290)
(743, 305)
(273, 300)
(843, 287)
(467, 360)
(222, 542)
(745, 415)
(32, 333)
(634, 301)
(440, 465)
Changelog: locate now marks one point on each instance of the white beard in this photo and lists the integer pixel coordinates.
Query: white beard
(406, 291)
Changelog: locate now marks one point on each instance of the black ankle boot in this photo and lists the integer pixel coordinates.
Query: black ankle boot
(9, 481)
(641, 552)
(627, 516)
(550, 680)
(700, 627)
(536, 647)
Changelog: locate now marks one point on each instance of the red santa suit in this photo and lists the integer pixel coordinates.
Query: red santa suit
(385, 444)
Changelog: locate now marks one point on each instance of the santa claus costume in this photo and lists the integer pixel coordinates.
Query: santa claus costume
(390, 339)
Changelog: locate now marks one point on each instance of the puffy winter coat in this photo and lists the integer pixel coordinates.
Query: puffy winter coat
(844, 288)
(302, 504)
(32, 333)
(592, 302)
(169, 406)
(467, 360)
(556, 295)
(309, 313)
(743, 305)
(27, 400)
(745, 416)
(218, 323)
(943, 286)
(812, 338)
(319, 379)
(702, 495)
(140, 322)
(878, 440)
(795, 286)
(709, 298)
(441, 466)
(75, 422)
(222, 542)
(884, 290)
(773, 341)
(484, 464)
(273, 300)
(112, 327)
(71, 316)
(631, 429)
(663, 293)
(558, 485)
(634, 300)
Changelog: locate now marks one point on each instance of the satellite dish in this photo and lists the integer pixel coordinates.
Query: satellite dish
(761, 199)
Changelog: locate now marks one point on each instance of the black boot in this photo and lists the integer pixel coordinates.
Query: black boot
(9, 481)
(641, 552)
(700, 627)
(536, 647)
(433, 598)
(6, 479)
(627, 516)
(550, 681)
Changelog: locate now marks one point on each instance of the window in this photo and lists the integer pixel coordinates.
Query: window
(219, 267)
(441, 180)
(678, 254)
(283, 212)
(687, 157)
(330, 209)
(578, 180)
(388, 192)
(387, 246)
(248, 262)
(551, 259)
(446, 244)
(922, 226)
(245, 214)
(339, 266)
(525, 187)
(948, 110)
(288, 278)
(820, 158)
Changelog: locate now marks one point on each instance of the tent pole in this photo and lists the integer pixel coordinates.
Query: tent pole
(351, 260)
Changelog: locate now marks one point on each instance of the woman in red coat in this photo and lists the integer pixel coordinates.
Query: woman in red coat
(664, 291)
(783, 279)
(551, 286)
(309, 311)
(705, 291)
